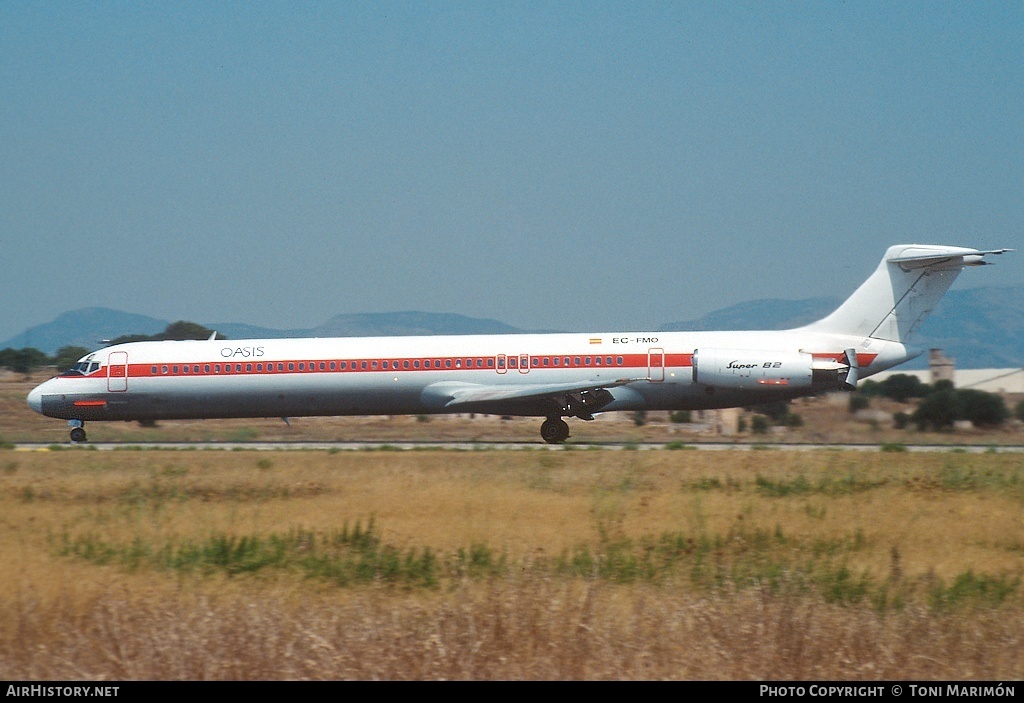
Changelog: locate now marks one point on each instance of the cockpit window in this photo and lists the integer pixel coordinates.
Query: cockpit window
(83, 368)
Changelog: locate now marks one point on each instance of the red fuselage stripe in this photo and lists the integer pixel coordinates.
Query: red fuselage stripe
(490, 364)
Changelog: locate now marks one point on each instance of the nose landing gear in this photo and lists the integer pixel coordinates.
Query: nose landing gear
(77, 432)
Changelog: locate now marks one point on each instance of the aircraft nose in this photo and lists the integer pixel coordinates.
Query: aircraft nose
(35, 399)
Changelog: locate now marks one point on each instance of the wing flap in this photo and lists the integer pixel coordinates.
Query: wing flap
(452, 394)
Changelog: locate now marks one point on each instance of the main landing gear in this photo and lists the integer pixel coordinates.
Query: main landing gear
(77, 432)
(554, 430)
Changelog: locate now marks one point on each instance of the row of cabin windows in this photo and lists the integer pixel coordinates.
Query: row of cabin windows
(385, 364)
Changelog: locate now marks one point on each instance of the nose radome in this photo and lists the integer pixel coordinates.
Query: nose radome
(35, 399)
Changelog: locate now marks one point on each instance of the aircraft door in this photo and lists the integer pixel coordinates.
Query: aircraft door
(117, 372)
(655, 365)
(524, 363)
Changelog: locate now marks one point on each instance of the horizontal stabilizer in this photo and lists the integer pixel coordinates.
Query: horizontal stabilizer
(930, 256)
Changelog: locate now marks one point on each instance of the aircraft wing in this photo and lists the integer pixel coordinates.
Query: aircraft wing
(533, 399)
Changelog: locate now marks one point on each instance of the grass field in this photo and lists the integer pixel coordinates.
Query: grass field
(511, 564)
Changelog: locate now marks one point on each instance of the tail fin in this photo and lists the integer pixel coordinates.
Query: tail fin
(902, 291)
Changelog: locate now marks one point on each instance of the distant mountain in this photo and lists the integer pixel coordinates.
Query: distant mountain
(90, 326)
(978, 328)
(87, 328)
(383, 324)
(769, 314)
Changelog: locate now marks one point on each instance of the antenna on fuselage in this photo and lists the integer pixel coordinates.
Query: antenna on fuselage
(213, 336)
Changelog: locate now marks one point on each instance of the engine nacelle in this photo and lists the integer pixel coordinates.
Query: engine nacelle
(754, 369)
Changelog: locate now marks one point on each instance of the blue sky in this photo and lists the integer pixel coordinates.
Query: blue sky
(575, 166)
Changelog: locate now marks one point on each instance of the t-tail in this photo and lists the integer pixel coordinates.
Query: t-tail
(879, 321)
(893, 302)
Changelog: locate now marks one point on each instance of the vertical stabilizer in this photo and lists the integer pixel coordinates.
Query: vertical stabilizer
(903, 290)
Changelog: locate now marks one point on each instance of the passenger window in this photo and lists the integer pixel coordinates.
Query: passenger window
(323, 366)
(206, 368)
(154, 371)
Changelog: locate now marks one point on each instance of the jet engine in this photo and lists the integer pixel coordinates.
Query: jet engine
(755, 369)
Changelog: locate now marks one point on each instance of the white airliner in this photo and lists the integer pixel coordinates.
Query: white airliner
(543, 375)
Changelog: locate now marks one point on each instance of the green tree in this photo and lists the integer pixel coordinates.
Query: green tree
(186, 330)
(900, 420)
(941, 408)
(66, 357)
(982, 408)
(759, 424)
(859, 402)
(777, 410)
(179, 330)
(937, 411)
(22, 360)
(902, 386)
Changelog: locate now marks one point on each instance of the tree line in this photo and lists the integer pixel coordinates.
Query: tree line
(940, 405)
(28, 359)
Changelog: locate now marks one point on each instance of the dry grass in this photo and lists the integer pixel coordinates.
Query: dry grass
(514, 629)
(832, 565)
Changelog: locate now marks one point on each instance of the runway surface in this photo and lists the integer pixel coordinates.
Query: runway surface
(512, 446)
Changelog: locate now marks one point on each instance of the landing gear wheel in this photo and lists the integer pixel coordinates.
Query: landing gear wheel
(554, 430)
(78, 435)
